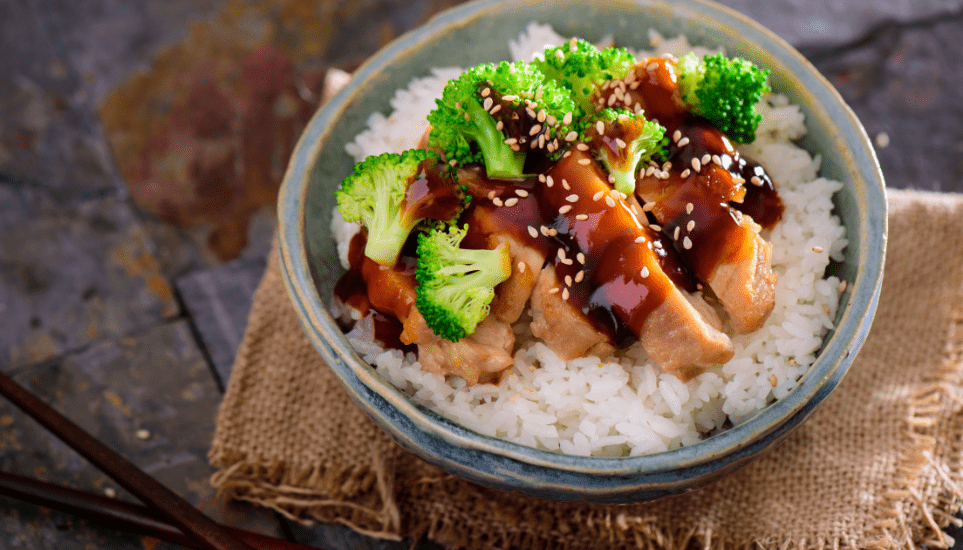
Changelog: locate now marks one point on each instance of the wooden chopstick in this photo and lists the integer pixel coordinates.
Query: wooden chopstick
(209, 534)
(119, 515)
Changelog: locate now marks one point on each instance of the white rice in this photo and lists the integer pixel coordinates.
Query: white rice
(625, 405)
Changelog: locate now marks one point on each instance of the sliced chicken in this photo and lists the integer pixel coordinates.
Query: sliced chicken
(486, 351)
(562, 326)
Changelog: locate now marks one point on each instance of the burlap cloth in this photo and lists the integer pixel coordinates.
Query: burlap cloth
(879, 465)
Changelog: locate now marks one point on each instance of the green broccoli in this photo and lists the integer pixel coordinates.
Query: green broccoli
(377, 195)
(490, 105)
(626, 140)
(724, 91)
(456, 285)
(582, 67)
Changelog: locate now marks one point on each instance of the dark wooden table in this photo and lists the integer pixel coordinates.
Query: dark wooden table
(128, 260)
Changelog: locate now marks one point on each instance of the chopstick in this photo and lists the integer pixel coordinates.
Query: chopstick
(119, 515)
(205, 531)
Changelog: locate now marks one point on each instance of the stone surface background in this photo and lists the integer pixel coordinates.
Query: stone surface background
(123, 300)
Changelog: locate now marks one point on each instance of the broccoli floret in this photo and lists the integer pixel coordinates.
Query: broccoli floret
(456, 285)
(582, 68)
(643, 140)
(376, 194)
(491, 104)
(724, 91)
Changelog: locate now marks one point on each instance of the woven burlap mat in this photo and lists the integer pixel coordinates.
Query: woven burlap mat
(879, 465)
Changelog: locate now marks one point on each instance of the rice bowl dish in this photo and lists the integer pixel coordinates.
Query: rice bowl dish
(625, 405)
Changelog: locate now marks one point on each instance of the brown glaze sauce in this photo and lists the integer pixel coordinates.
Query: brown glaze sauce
(385, 293)
(434, 196)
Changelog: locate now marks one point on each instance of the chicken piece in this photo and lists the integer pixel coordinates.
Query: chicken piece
(477, 357)
(487, 350)
(722, 245)
(617, 277)
(561, 325)
(512, 296)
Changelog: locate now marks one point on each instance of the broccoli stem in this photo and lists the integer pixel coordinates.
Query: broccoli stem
(392, 227)
(500, 160)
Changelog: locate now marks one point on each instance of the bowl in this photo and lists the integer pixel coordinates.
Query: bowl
(479, 32)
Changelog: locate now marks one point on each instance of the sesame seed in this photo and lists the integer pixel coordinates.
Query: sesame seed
(511, 141)
(521, 193)
(491, 195)
(515, 148)
(541, 141)
(640, 239)
(531, 113)
(755, 180)
(581, 258)
(509, 97)
(566, 155)
(551, 120)
(486, 92)
(487, 104)
(567, 119)
(687, 243)
(495, 109)
(568, 280)
(467, 118)
(826, 309)
(793, 362)
(598, 195)
(622, 116)
(649, 171)
(611, 178)
(652, 66)
(773, 381)
(675, 234)
(452, 162)
(717, 160)
(559, 54)
(634, 85)
(581, 217)
(698, 286)
(511, 202)
(571, 136)
(522, 265)
(599, 127)
(142, 434)
(696, 165)
(683, 142)
(499, 125)
(109, 492)
(656, 227)
(541, 178)
(738, 180)
(612, 99)
(497, 201)
(620, 143)
(667, 166)
(579, 146)
(533, 232)
(565, 294)
(647, 207)
(610, 202)
(553, 291)
(842, 287)
(645, 272)
(541, 116)
(565, 185)
(818, 249)
(584, 162)
(677, 135)
(535, 129)
(565, 209)
(689, 207)
(706, 158)
(685, 173)
(561, 253)
(690, 226)
(579, 276)
(544, 231)
(549, 181)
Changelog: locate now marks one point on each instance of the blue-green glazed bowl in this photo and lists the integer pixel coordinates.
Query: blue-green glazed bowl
(479, 32)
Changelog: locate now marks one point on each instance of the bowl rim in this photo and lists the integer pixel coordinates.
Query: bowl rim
(849, 332)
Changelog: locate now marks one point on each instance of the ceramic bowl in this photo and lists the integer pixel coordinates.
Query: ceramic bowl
(479, 32)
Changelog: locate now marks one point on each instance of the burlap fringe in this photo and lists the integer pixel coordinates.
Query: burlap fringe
(321, 494)
(904, 507)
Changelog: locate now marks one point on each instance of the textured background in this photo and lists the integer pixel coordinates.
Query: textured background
(141, 147)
